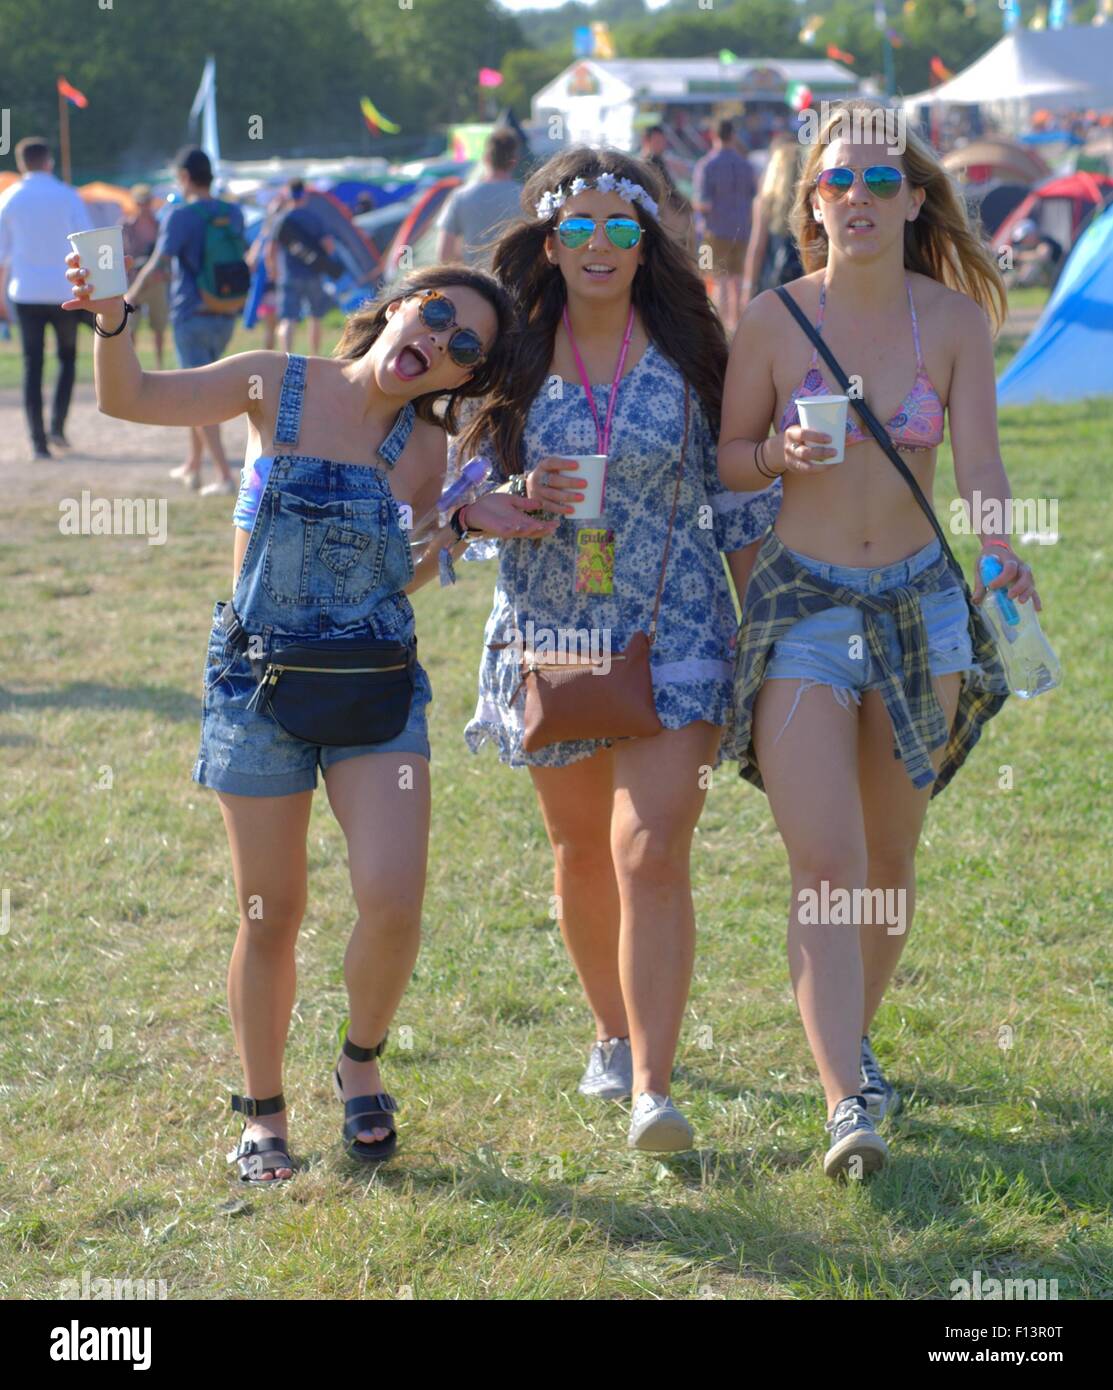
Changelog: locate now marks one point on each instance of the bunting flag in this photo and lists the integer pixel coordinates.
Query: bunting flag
(1010, 15)
(811, 28)
(840, 55)
(78, 98)
(602, 43)
(726, 56)
(894, 38)
(376, 121)
(798, 95)
(939, 70)
(490, 77)
(1059, 15)
(1038, 20)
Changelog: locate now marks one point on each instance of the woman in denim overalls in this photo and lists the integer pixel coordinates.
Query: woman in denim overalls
(322, 553)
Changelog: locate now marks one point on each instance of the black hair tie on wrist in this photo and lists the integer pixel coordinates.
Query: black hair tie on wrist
(128, 310)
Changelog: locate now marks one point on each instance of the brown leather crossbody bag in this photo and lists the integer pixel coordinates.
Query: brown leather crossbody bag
(580, 699)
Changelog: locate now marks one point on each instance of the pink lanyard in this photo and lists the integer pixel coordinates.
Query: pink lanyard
(602, 435)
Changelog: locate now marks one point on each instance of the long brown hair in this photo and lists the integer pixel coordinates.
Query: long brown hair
(666, 292)
(362, 327)
(940, 242)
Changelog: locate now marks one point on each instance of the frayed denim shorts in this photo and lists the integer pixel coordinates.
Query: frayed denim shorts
(248, 753)
(830, 648)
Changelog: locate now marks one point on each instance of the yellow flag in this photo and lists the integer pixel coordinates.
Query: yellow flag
(374, 117)
(602, 43)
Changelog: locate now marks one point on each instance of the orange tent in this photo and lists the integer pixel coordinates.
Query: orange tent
(110, 193)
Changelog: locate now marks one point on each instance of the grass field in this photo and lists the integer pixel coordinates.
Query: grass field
(117, 1058)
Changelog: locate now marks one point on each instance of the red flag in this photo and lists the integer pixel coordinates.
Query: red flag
(940, 71)
(490, 77)
(840, 55)
(78, 98)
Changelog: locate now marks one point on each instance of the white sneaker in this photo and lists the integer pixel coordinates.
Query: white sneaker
(610, 1070)
(224, 488)
(657, 1126)
(190, 477)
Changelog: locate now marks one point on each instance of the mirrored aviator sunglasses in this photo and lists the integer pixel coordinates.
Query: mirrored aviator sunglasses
(438, 312)
(882, 180)
(623, 232)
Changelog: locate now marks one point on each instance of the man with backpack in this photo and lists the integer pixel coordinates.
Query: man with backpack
(204, 239)
(301, 254)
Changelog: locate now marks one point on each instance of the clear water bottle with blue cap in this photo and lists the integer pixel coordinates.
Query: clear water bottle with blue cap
(1031, 667)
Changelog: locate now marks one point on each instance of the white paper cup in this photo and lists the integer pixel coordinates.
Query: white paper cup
(102, 256)
(828, 415)
(592, 468)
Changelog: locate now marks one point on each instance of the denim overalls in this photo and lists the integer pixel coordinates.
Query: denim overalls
(327, 558)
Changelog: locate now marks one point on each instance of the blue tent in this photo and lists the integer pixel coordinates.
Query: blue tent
(1069, 353)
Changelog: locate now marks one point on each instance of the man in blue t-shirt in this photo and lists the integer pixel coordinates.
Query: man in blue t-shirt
(199, 337)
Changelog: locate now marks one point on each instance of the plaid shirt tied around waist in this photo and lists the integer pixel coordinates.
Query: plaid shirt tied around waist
(780, 593)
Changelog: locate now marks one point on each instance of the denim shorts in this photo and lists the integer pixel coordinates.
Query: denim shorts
(295, 297)
(203, 338)
(248, 753)
(822, 650)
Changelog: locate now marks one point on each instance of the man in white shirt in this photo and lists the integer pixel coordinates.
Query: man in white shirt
(36, 215)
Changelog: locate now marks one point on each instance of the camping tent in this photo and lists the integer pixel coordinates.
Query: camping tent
(1071, 67)
(994, 157)
(1059, 207)
(1069, 353)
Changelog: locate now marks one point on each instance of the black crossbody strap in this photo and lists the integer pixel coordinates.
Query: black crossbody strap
(872, 424)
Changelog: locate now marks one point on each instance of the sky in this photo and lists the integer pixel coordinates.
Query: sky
(556, 4)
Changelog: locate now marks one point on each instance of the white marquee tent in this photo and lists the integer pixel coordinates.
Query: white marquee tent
(600, 99)
(1070, 67)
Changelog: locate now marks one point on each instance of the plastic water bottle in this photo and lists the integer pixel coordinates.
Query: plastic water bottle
(1031, 667)
(463, 488)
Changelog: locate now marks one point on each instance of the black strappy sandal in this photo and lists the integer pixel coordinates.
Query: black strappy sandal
(366, 1112)
(248, 1153)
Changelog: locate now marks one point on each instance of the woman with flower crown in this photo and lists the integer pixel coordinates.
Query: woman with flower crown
(618, 345)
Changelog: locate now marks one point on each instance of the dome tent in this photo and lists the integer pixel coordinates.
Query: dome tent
(1069, 353)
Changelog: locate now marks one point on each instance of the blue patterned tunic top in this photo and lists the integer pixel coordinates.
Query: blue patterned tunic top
(692, 658)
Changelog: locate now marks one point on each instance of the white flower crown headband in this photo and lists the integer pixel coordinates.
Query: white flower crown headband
(605, 183)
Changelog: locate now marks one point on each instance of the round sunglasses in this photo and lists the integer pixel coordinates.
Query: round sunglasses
(623, 232)
(882, 180)
(438, 312)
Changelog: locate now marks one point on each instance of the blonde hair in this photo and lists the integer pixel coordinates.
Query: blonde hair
(940, 243)
(778, 184)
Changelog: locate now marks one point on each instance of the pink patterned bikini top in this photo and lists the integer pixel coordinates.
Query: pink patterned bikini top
(918, 424)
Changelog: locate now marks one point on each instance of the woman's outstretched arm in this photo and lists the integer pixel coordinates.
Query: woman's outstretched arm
(195, 396)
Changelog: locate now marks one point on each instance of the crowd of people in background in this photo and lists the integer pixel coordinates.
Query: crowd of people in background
(743, 172)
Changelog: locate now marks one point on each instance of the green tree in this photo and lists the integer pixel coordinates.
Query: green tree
(526, 70)
(429, 56)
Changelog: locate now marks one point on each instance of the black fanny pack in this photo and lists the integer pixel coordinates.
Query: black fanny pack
(341, 693)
